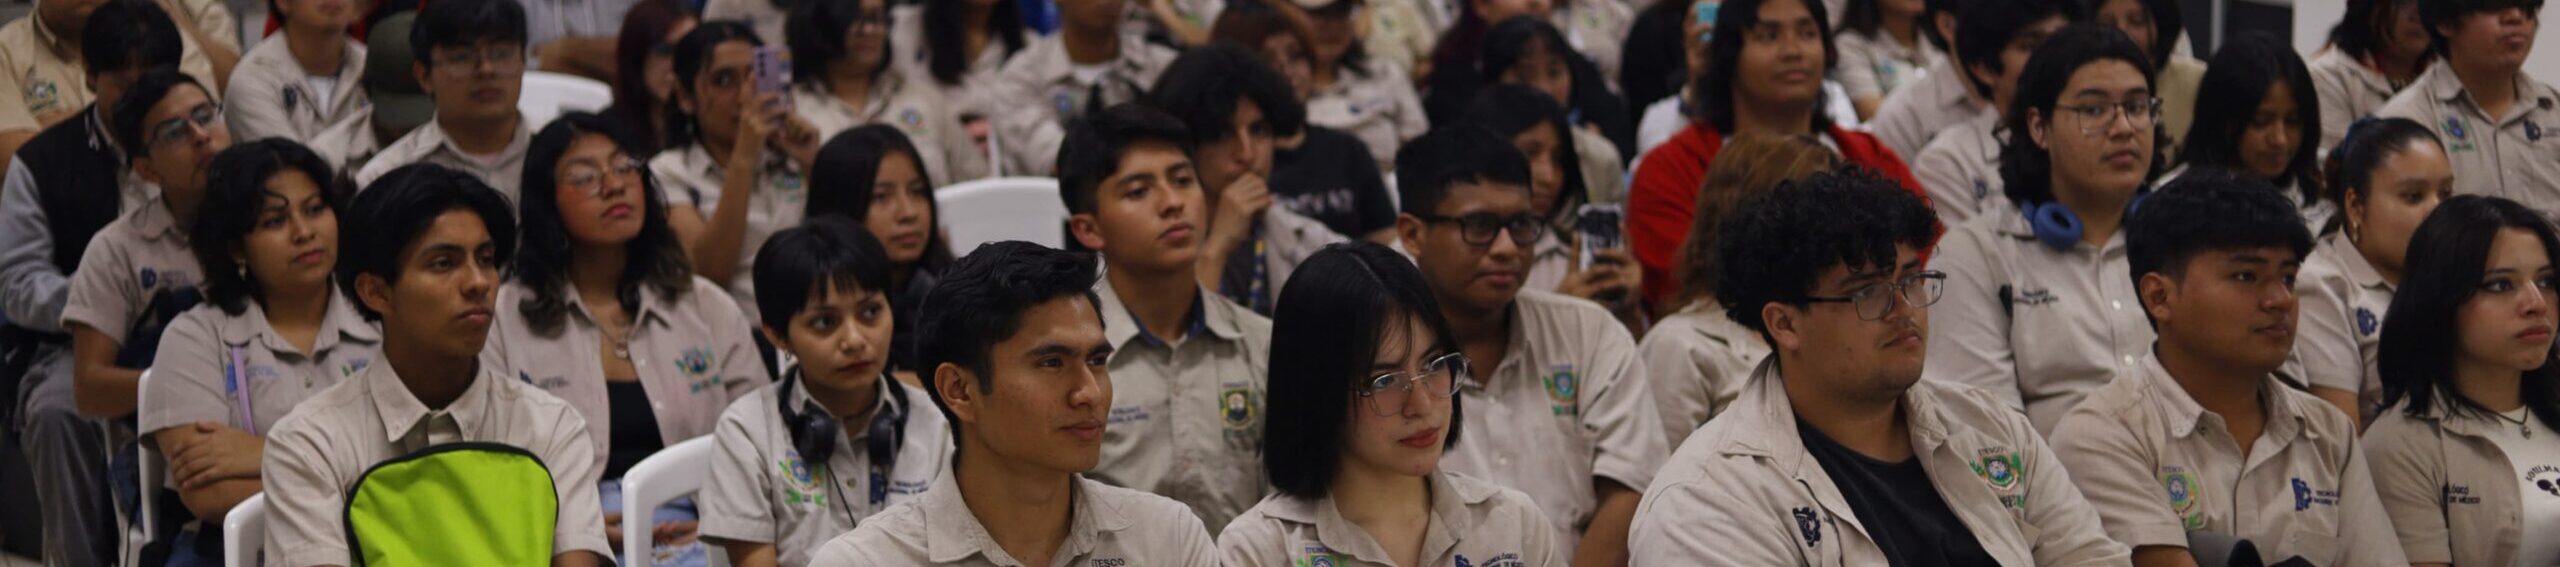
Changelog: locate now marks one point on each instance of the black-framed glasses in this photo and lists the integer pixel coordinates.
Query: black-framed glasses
(501, 57)
(203, 118)
(1480, 228)
(1873, 301)
(589, 178)
(1386, 394)
(2097, 118)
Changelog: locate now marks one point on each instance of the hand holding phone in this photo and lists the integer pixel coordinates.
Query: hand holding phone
(773, 74)
(1600, 226)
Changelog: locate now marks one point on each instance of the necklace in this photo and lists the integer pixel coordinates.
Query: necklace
(2524, 425)
(621, 341)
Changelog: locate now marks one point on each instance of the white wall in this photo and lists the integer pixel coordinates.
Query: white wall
(2312, 19)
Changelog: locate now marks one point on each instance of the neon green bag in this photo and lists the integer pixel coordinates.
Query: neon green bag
(454, 504)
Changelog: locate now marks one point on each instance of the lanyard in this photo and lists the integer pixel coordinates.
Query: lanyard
(235, 382)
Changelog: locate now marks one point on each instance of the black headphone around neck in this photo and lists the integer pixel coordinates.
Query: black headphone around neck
(814, 432)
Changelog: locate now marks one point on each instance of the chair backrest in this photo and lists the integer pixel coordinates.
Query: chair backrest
(244, 532)
(1000, 209)
(547, 95)
(674, 472)
(155, 467)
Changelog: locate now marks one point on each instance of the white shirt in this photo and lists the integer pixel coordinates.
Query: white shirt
(2536, 458)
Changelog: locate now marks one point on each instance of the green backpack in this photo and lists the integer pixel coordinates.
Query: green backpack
(454, 504)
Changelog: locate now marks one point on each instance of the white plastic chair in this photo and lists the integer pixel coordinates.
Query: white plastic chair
(547, 95)
(244, 532)
(674, 472)
(155, 467)
(1000, 209)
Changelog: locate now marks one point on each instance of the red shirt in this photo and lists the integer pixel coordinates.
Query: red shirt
(1664, 195)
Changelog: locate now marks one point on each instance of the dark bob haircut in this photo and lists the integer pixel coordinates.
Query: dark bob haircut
(399, 207)
(815, 32)
(1508, 110)
(652, 258)
(462, 23)
(1449, 155)
(981, 301)
(2240, 76)
(2448, 260)
(2025, 168)
(235, 197)
(847, 175)
(827, 254)
(692, 54)
(2205, 210)
(2367, 143)
(1204, 86)
(1331, 321)
(1776, 245)
(1991, 25)
(1091, 152)
(123, 35)
(1734, 22)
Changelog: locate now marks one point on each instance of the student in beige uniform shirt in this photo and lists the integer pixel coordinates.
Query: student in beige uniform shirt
(2203, 441)
(1961, 167)
(2259, 115)
(1368, 95)
(1086, 66)
(946, 58)
(2469, 383)
(1559, 397)
(1362, 413)
(2378, 49)
(735, 177)
(43, 80)
(139, 272)
(1837, 452)
(1022, 371)
(428, 270)
(1697, 359)
(273, 332)
(1234, 108)
(2501, 126)
(1559, 185)
(841, 58)
(278, 92)
(470, 56)
(837, 441)
(1883, 46)
(2392, 173)
(1186, 420)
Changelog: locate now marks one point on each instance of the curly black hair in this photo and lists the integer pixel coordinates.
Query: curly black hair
(1777, 244)
(2208, 209)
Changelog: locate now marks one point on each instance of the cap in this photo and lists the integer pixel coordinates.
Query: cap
(399, 105)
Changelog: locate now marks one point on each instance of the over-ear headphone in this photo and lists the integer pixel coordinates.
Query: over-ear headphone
(2059, 228)
(813, 433)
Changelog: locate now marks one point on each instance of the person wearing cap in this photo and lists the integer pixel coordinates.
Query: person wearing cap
(468, 55)
(1944, 96)
(2202, 437)
(2501, 125)
(43, 77)
(1020, 362)
(1837, 452)
(1088, 65)
(1961, 167)
(303, 81)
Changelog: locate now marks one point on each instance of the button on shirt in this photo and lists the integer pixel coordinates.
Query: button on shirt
(909, 105)
(2348, 91)
(1913, 115)
(316, 455)
(2035, 326)
(428, 144)
(1961, 170)
(2344, 302)
(138, 267)
(1565, 406)
(207, 356)
(2443, 474)
(762, 491)
(2157, 465)
(2516, 156)
(1696, 361)
(41, 74)
(1472, 523)
(1186, 411)
(1040, 90)
(1375, 103)
(270, 95)
(693, 355)
(692, 179)
(1109, 526)
(1744, 490)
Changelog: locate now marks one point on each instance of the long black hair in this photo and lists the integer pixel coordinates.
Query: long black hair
(692, 54)
(2447, 258)
(815, 33)
(946, 49)
(653, 258)
(2025, 168)
(1733, 27)
(1513, 40)
(2240, 76)
(235, 195)
(2366, 29)
(1332, 318)
(1508, 110)
(842, 183)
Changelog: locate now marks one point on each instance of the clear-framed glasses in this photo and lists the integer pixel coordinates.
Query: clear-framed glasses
(501, 57)
(2097, 118)
(1386, 394)
(203, 118)
(1479, 229)
(589, 178)
(1873, 301)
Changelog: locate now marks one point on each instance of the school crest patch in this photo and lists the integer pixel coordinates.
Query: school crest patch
(1236, 408)
(2183, 491)
(2454, 128)
(804, 487)
(2000, 468)
(696, 364)
(1563, 385)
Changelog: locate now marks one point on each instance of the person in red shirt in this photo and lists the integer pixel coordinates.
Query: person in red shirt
(1765, 77)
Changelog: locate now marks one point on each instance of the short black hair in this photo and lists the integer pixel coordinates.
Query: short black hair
(2366, 28)
(692, 53)
(2367, 143)
(126, 123)
(981, 301)
(1330, 321)
(1774, 247)
(2439, 13)
(2026, 171)
(235, 196)
(463, 23)
(1734, 21)
(815, 31)
(1203, 85)
(2168, 23)
(2227, 101)
(123, 35)
(1453, 154)
(1980, 39)
(1091, 151)
(841, 182)
(945, 43)
(653, 258)
(400, 206)
(827, 253)
(1508, 110)
(2204, 210)
(2448, 260)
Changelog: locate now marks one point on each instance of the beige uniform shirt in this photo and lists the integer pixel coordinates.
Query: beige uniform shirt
(2176, 87)
(1186, 412)
(2442, 475)
(317, 454)
(138, 266)
(762, 491)
(1961, 171)
(761, 15)
(694, 356)
(2036, 327)
(973, 96)
(1743, 490)
(1913, 115)
(1696, 361)
(1876, 66)
(1472, 523)
(2343, 303)
(1597, 29)
(1564, 406)
(2157, 466)
(348, 145)
(41, 72)
(428, 144)
(1399, 32)
(2516, 156)
(2348, 91)
(1375, 103)
(1110, 526)
(1604, 177)
(1039, 92)
(207, 356)
(692, 179)
(911, 106)
(270, 97)
(1550, 260)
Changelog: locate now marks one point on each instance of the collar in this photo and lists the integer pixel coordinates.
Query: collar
(153, 222)
(98, 138)
(2441, 84)
(1771, 430)
(1054, 66)
(402, 413)
(62, 48)
(653, 307)
(1953, 90)
(883, 90)
(952, 534)
(2013, 224)
(433, 137)
(339, 322)
(1211, 315)
(2463, 422)
(2184, 416)
(886, 386)
(2363, 76)
(1450, 515)
(2353, 263)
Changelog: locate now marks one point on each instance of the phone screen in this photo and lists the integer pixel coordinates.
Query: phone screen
(1600, 226)
(773, 72)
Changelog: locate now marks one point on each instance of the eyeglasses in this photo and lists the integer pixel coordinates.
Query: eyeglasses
(2097, 118)
(1386, 394)
(499, 57)
(590, 179)
(1479, 229)
(871, 21)
(1873, 301)
(203, 118)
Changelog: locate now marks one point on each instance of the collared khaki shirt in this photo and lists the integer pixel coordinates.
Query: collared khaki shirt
(2036, 327)
(2343, 304)
(41, 72)
(2348, 91)
(1743, 490)
(1375, 103)
(1597, 29)
(1564, 407)
(1186, 407)
(972, 97)
(1109, 526)
(1471, 523)
(1961, 171)
(2176, 87)
(269, 95)
(316, 455)
(1877, 65)
(428, 144)
(2157, 465)
(761, 489)
(1039, 91)
(138, 266)
(691, 178)
(2450, 490)
(694, 355)
(208, 357)
(1913, 115)
(2516, 156)
(1399, 32)
(1697, 361)
(911, 106)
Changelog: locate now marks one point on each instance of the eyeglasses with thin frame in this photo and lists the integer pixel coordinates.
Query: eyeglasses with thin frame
(1478, 229)
(1873, 301)
(2096, 119)
(1386, 394)
(203, 118)
(501, 57)
(589, 178)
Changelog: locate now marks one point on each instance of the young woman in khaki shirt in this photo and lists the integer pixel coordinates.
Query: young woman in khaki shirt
(2387, 176)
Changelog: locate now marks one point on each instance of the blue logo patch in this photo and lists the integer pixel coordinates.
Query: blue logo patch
(2304, 496)
(1810, 525)
(2453, 129)
(2532, 131)
(2366, 323)
(149, 278)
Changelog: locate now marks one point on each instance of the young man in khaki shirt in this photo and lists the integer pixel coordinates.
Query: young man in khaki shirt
(1014, 336)
(1086, 66)
(470, 57)
(303, 80)
(1961, 166)
(140, 272)
(43, 78)
(2202, 441)
(2501, 126)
